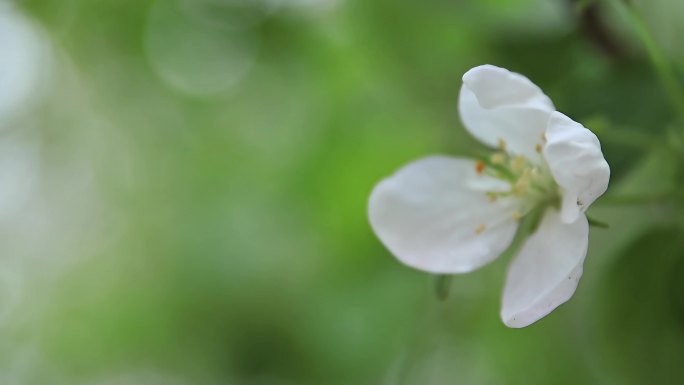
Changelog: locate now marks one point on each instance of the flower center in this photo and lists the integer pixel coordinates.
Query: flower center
(531, 183)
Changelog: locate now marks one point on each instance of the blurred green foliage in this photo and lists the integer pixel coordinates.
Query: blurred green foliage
(208, 167)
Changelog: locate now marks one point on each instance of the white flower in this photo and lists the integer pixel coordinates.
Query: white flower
(449, 215)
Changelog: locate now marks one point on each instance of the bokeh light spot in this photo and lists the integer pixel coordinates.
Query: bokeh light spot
(193, 58)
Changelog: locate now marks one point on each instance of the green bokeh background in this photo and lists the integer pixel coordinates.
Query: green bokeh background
(205, 172)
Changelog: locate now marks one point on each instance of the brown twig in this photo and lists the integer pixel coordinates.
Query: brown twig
(595, 29)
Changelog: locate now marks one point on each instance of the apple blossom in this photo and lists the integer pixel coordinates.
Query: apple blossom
(448, 215)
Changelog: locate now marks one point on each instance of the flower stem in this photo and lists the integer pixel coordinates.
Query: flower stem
(442, 286)
(655, 53)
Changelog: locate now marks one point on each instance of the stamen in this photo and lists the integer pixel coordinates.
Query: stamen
(535, 174)
(543, 136)
(498, 158)
(538, 148)
(480, 228)
(502, 144)
(521, 186)
(525, 181)
(518, 163)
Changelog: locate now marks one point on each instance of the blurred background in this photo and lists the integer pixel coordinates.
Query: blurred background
(183, 189)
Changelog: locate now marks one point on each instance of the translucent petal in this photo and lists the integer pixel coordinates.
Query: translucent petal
(545, 273)
(497, 105)
(429, 216)
(574, 156)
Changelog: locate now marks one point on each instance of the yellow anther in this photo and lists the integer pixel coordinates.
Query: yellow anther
(502, 144)
(535, 174)
(498, 158)
(516, 215)
(518, 163)
(521, 186)
(492, 197)
(479, 166)
(480, 228)
(538, 148)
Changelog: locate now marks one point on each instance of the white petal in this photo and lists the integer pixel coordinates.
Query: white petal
(574, 156)
(496, 104)
(546, 271)
(431, 219)
(486, 184)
